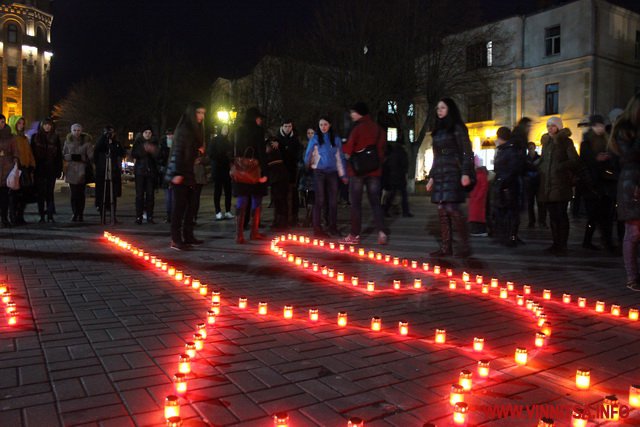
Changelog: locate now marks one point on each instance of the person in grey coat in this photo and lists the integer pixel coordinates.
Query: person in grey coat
(77, 153)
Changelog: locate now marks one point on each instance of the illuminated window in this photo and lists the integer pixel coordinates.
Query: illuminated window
(12, 76)
(12, 33)
(489, 53)
(392, 107)
(411, 111)
(412, 135)
(392, 134)
(551, 95)
(552, 40)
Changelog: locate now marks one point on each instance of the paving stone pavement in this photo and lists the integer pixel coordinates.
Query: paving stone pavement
(99, 332)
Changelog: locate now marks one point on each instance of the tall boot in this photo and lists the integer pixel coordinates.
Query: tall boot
(460, 224)
(255, 225)
(445, 235)
(588, 236)
(240, 214)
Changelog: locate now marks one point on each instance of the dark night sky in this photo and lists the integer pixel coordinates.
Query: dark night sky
(224, 37)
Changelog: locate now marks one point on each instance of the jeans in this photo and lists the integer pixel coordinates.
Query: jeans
(145, 198)
(325, 183)
(356, 187)
(168, 200)
(243, 201)
(222, 182)
(630, 248)
(182, 212)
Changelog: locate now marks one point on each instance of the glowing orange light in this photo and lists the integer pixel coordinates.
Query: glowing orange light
(479, 279)
(478, 344)
(634, 396)
(521, 356)
(520, 300)
(599, 306)
(494, 283)
(342, 319)
(526, 289)
(287, 312)
(414, 264)
(324, 270)
(371, 286)
(387, 258)
(566, 298)
(540, 338)
(633, 314)
(403, 327)
(187, 280)
(542, 320)
(396, 261)
(483, 368)
(262, 308)
(546, 329)
(11, 307)
(171, 271)
(354, 280)
(201, 328)
(314, 266)
(313, 314)
(396, 284)
(203, 290)
(467, 286)
(341, 247)
(211, 317)
(6, 297)
(352, 249)
(171, 407)
(340, 277)
(612, 406)
(291, 258)
(376, 324)
(305, 263)
(215, 307)
(371, 254)
(332, 245)
(436, 269)
(355, 422)
(465, 379)
(449, 272)
(179, 276)
(465, 276)
(460, 411)
(180, 383)
(504, 293)
(529, 304)
(425, 266)
(510, 286)
(583, 379)
(452, 284)
(441, 336)
(485, 288)
(582, 302)
(242, 303)
(158, 263)
(215, 296)
(298, 261)
(417, 283)
(379, 256)
(190, 349)
(195, 284)
(546, 294)
(199, 341)
(184, 364)
(579, 418)
(12, 319)
(545, 422)
(615, 310)
(361, 251)
(456, 394)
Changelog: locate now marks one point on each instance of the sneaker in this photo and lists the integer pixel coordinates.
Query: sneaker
(219, 216)
(228, 215)
(383, 239)
(351, 240)
(179, 246)
(633, 285)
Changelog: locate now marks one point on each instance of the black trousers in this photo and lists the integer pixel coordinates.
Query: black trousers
(182, 212)
(196, 200)
(45, 185)
(222, 182)
(78, 199)
(4, 203)
(279, 197)
(559, 223)
(145, 197)
(600, 212)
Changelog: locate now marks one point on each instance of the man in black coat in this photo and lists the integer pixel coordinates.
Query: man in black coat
(145, 153)
(290, 149)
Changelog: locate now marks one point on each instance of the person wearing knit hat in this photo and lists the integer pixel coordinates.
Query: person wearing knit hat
(559, 158)
(360, 108)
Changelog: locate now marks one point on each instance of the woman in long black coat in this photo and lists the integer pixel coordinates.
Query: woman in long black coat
(47, 151)
(108, 191)
(451, 176)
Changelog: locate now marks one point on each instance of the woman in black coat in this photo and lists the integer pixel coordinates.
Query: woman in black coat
(145, 152)
(47, 151)
(249, 142)
(451, 175)
(188, 139)
(108, 147)
(625, 142)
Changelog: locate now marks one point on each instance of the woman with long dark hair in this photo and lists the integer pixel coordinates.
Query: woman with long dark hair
(451, 174)
(324, 156)
(47, 151)
(188, 139)
(625, 142)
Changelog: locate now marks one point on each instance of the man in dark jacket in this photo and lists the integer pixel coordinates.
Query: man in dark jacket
(396, 167)
(145, 153)
(108, 154)
(290, 149)
(365, 132)
(220, 152)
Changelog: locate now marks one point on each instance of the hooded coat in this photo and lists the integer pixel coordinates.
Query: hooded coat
(76, 167)
(558, 161)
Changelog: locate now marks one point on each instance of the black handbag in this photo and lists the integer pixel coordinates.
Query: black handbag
(365, 160)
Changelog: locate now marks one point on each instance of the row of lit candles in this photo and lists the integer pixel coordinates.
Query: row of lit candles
(599, 307)
(172, 402)
(10, 308)
(460, 411)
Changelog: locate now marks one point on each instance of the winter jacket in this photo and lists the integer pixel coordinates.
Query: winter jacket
(249, 142)
(183, 156)
(77, 154)
(509, 165)
(115, 152)
(452, 158)
(8, 154)
(146, 162)
(602, 175)
(25, 155)
(290, 148)
(478, 197)
(558, 162)
(330, 157)
(629, 179)
(365, 132)
(277, 170)
(47, 151)
(220, 153)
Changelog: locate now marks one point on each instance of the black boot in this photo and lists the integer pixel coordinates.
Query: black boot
(588, 236)
(240, 214)
(255, 225)
(445, 235)
(459, 222)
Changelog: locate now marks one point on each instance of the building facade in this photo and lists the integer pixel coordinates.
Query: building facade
(571, 61)
(25, 56)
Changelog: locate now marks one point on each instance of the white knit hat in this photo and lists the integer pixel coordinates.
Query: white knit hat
(556, 121)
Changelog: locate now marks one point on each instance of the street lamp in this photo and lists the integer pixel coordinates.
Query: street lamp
(226, 116)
